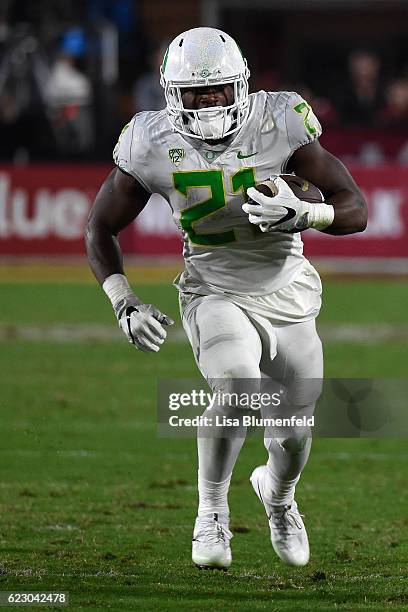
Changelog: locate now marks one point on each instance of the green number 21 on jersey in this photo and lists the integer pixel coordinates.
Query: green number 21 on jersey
(215, 182)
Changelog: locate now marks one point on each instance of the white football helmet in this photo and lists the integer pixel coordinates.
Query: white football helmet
(199, 58)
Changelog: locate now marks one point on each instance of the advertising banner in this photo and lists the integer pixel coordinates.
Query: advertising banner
(43, 211)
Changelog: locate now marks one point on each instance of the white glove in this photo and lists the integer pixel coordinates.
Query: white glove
(142, 324)
(284, 212)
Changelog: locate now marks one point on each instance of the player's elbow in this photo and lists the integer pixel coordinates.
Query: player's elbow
(361, 215)
(357, 214)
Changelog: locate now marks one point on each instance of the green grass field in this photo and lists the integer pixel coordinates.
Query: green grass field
(93, 503)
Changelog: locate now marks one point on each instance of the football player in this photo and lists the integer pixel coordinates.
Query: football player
(248, 296)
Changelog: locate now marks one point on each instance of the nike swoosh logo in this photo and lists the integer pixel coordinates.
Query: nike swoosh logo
(289, 215)
(240, 156)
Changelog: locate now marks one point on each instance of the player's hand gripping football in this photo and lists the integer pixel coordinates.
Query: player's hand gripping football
(142, 324)
(283, 211)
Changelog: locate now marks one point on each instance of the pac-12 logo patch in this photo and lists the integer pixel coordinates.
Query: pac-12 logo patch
(177, 156)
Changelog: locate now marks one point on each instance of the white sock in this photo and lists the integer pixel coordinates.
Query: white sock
(213, 497)
(282, 492)
(284, 467)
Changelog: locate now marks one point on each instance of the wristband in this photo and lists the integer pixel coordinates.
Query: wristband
(117, 288)
(320, 216)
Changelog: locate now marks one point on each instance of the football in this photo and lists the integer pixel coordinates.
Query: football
(303, 189)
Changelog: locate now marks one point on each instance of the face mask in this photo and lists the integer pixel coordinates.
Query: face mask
(211, 124)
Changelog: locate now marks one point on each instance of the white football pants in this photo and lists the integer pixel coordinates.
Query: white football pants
(232, 344)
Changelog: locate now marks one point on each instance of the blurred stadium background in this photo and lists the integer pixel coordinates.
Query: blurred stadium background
(72, 74)
(91, 501)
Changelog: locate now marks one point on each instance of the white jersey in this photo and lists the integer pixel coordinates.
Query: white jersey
(205, 186)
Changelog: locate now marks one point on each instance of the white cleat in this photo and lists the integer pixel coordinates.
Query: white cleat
(288, 533)
(211, 543)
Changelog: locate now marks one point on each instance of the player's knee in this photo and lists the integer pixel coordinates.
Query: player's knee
(240, 371)
(294, 442)
(237, 378)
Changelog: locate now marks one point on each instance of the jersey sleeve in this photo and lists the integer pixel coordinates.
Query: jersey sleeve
(132, 150)
(302, 125)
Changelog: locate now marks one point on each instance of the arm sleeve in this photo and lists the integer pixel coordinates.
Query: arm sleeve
(131, 152)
